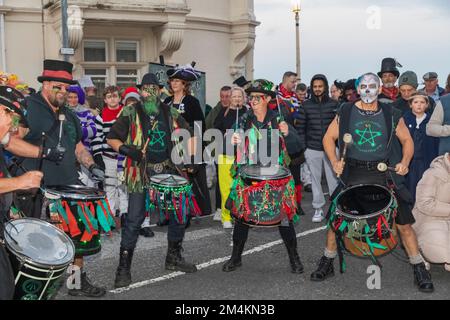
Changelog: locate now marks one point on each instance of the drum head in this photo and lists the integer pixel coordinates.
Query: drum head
(74, 192)
(39, 242)
(261, 173)
(169, 180)
(363, 200)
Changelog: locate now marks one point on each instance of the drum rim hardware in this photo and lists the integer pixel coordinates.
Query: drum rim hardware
(28, 260)
(339, 212)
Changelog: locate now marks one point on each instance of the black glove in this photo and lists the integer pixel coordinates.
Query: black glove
(98, 159)
(53, 154)
(132, 152)
(97, 172)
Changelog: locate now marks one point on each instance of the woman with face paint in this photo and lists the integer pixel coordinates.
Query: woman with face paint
(143, 133)
(375, 128)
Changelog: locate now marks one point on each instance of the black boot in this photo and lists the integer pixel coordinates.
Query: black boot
(300, 211)
(324, 271)
(146, 232)
(296, 264)
(87, 289)
(174, 260)
(123, 273)
(235, 260)
(307, 188)
(422, 278)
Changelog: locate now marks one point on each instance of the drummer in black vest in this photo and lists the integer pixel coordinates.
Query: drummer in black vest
(12, 109)
(261, 92)
(143, 134)
(44, 116)
(378, 133)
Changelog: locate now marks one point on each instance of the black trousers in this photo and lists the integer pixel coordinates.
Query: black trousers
(201, 191)
(135, 217)
(240, 232)
(30, 205)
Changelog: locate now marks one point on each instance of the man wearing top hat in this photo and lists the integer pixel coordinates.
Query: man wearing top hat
(44, 108)
(389, 75)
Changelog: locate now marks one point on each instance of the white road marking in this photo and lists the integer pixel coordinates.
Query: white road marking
(211, 263)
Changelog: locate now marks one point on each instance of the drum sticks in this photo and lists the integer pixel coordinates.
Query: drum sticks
(348, 141)
(383, 167)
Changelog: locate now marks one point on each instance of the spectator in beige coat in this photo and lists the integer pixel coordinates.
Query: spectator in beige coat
(432, 212)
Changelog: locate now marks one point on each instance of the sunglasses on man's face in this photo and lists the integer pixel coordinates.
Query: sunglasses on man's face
(59, 89)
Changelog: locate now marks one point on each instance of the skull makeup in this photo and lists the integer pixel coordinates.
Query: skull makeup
(369, 87)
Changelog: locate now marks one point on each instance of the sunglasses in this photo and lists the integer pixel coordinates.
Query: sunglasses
(59, 88)
(257, 98)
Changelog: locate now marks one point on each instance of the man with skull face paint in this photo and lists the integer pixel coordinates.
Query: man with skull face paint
(360, 167)
(147, 126)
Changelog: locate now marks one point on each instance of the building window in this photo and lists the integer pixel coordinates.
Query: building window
(127, 78)
(95, 51)
(127, 51)
(99, 78)
(112, 62)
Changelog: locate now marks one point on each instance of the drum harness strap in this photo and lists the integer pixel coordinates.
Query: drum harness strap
(344, 121)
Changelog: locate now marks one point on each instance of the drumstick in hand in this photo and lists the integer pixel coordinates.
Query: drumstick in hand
(383, 167)
(145, 146)
(348, 141)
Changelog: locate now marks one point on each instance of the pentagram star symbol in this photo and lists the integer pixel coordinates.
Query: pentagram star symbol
(158, 137)
(368, 136)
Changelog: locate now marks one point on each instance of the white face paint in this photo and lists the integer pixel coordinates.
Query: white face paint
(369, 88)
(5, 139)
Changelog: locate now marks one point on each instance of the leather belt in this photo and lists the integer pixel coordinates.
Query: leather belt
(369, 165)
(159, 167)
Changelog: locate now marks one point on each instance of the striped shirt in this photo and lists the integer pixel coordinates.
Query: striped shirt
(88, 127)
(103, 123)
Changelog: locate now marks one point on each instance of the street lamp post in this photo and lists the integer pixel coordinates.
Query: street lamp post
(296, 9)
(65, 32)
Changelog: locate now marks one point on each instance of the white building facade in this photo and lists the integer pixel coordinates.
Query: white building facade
(115, 40)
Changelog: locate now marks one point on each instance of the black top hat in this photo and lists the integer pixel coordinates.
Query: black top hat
(389, 65)
(14, 101)
(186, 73)
(241, 82)
(57, 70)
(150, 79)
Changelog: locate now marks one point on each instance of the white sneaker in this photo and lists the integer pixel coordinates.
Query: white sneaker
(227, 225)
(447, 267)
(218, 215)
(318, 216)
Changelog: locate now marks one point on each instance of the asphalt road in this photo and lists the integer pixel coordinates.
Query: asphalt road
(265, 274)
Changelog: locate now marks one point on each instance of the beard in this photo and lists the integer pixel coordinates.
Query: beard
(58, 103)
(151, 105)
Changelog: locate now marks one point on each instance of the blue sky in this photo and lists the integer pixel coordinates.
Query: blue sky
(336, 41)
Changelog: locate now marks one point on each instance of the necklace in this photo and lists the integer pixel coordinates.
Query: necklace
(180, 104)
